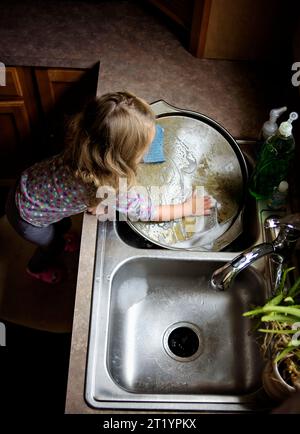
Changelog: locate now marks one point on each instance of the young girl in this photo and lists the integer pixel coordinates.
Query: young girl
(104, 143)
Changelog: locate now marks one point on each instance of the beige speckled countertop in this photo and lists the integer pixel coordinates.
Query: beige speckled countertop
(75, 402)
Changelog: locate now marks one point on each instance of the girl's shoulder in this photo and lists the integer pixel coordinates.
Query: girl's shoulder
(50, 163)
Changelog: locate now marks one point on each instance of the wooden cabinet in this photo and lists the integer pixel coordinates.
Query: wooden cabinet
(34, 106)
(53, 84)
(15, 132)
(13, 87)
(190, 18)
(16, 118)
(233, 29)
(62, 92)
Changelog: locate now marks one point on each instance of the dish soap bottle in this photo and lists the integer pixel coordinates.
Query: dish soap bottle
(279, 196)
(270, 127)
(274, 160)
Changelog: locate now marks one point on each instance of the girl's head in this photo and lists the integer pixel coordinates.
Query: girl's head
(108, 138)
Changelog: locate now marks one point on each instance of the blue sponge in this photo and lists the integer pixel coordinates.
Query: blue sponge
(156, 150)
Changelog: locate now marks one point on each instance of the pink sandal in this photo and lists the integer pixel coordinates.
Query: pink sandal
(72, 242)
(52, 275)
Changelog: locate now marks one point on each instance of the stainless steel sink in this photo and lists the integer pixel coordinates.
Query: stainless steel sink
(169, 332)
(162, 339)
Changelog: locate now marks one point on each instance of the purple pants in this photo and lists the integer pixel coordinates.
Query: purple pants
(49, 239)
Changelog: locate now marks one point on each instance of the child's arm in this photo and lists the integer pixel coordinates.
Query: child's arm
(186, 209)
(139, 208)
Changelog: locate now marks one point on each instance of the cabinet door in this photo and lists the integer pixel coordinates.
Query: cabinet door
(14, 134)
(13, 87)
(53, 84)
(62, 93)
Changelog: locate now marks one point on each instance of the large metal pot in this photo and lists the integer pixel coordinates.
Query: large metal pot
(199, 152)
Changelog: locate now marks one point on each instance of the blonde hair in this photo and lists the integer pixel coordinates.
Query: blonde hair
(105, 140)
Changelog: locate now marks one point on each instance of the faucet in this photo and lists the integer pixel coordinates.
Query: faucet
(288, 233)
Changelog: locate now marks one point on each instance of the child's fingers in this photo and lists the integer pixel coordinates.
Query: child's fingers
(208, 202)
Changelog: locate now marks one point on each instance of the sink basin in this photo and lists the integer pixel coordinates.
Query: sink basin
(162, 339)
(171, 333)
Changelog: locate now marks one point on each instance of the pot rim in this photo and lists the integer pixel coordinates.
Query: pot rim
(279, 376)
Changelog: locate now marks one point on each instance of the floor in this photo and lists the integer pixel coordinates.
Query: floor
(33, 368)
(38, 320)
(141, 54)
(29, 302)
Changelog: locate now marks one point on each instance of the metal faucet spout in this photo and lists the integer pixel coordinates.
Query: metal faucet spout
(223, 277)
(289, 233)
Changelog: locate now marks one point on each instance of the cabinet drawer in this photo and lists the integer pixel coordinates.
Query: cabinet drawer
(13, 86)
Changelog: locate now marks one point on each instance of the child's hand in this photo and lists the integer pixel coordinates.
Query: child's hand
(197, 205)
(96, 210)
(92, 210)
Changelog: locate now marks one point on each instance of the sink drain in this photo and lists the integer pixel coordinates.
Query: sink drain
(182, 341)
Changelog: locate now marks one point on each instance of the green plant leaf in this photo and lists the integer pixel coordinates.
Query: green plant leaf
(267, 308)
(289, 319)
(275, 300)
(280, 313)
(278, 332)
(283, 279)
(288, 299)
(295, 289)
(253, 312)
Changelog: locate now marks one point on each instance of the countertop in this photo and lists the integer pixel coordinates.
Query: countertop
(75, 402)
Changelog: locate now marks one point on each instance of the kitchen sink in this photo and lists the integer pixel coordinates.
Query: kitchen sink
(161, 338)
(170, 332)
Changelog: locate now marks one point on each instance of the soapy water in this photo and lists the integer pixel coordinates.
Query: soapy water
(207, 229)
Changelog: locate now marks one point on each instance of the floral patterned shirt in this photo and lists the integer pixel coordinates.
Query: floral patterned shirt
(48, 192)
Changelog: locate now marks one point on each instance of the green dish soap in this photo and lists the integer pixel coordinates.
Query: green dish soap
(273, 161)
